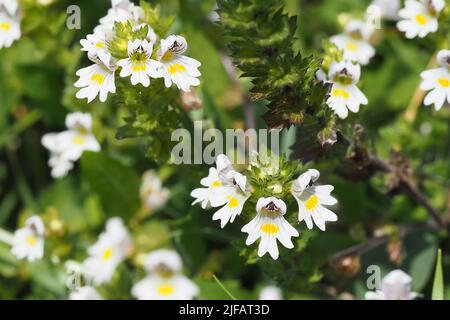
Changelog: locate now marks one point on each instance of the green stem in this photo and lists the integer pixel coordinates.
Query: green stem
(223, 287)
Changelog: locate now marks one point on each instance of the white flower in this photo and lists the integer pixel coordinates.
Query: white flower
(67, 146)
(94, 44)
(438, 81)
(420, 17)
(97, 78)
(121, 11)
(163, 262)
(85, 293)
(176, 287)
(176, 67)
(58, 161)
(28, 242)
(345, 95)
(311, 200)
(164, 280)
(271, 293)
(232, 199)
(270, 225)
(355, 42)
(139, 63)
(388, 8)
(153, 194)
(9, 29)
(204, 195)
(395, 286)
(112, 248)
(10, 6)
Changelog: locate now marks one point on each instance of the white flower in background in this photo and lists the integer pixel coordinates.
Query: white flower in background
(420, 18)
(67, 146)
(121, 11)
(9, 29)
(270, 225)
(312, 200)
(58, 160)
(176, 67)
(153, 194)
(112, 248)
(345, 95)
(94, 44)
(387, 8)
(85, 293)
(164, 281)
(438, 81)
(355, 42)
(79, 137)
(271, 293)
(97, 79)
(394, 286)
(28, 242)
(10, 6)
(151, 35)
(139, 63)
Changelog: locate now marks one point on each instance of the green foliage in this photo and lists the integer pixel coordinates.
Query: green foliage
(438, 283)
(260, 38)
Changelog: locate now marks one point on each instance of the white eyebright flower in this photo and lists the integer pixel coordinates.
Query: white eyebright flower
(270, 225)
(97, 79)
(108, 252)
(153, 194)
(345, 95)
(355, 42)
(437, 81)
(388, 8)
(9, 29)
(176, 67)
(10, 6)
(312, 200)
(420, 18)
(139, 63)
(394, 286)
(271, 293)
(28, 242)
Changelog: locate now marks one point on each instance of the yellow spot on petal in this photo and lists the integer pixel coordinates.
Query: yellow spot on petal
(138, 67)
(421, 19)
(31, 241)
(174, 68)
(312, 202)
(5, 26)
(79, 139)
(270, 228)
(167, 56)
(98, 78)
(107, 254)
(444, 82)
(166, 289)
(352, 46)
(216, 183)
(100, 45)
(340, 93)
(232, 202)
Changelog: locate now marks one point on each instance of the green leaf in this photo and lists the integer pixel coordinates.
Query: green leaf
(116, 184)
(438, 283)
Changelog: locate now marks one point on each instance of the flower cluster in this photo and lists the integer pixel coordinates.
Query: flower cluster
(226, 188)
(67, 147)
(146, 58)
(164, 280)
(10, 17)
(437, 81)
